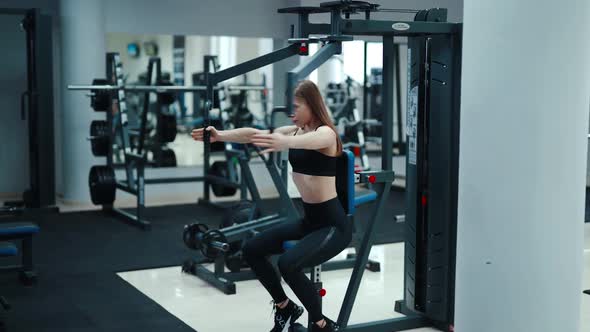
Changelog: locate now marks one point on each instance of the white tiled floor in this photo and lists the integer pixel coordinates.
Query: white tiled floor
(202, 307)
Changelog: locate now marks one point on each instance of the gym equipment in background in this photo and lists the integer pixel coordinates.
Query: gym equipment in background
(130, 136)
(23, 232)
(7, 249)
(373, 108)
(37, 109)
(342, 102)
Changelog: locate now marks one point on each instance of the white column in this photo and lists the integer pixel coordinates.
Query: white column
(331, 71)
(524, 126)
(83, 50)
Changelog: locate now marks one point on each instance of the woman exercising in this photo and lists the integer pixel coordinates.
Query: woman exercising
(313, 147)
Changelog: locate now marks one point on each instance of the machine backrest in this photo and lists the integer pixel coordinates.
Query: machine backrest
(345, 181)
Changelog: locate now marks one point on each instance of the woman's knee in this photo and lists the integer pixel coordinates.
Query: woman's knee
(250, 249)
(287, 265)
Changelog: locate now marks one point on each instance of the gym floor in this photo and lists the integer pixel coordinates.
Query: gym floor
(200, 306)
(98, 274)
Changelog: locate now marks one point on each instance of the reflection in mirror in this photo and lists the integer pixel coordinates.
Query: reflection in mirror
(350, 83)
(352, 87)
(184, 60)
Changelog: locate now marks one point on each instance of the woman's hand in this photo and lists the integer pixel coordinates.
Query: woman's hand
(198, 134)
(271, 142)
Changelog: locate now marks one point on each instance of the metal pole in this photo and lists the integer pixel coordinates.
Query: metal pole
(206, 137)
(29, 23)
(209, 101)
(365, 101)
(163, 88)
(363, 255)
(387, 102)
(291, 83)
(335, 29)
(146, 107)
(398, 101)
(303, 20)
(140, 189)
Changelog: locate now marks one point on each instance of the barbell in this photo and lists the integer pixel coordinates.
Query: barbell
(164, 88)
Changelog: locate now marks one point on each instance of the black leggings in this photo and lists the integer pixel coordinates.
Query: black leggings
(323, 233)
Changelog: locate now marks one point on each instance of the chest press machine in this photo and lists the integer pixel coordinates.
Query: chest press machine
(434, 67)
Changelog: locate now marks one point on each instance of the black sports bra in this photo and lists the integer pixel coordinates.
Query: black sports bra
(312, 162)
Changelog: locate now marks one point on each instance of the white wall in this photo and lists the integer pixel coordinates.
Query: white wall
(249, 48)
(82, 49)
(252, 18)
(195, 48)
(522, 165)
(265, 46)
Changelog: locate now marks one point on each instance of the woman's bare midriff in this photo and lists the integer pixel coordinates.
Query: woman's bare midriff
(315, 189)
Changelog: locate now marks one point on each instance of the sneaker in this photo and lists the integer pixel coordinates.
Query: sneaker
(286, 316)
(329, 327)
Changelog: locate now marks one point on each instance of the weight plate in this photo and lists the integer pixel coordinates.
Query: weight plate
(103, 185)
(192, 235)
(167, 127)
(100, 140)
(100, 100)
(167, 158)
(166, 97)
(220, 169)
(236, 216)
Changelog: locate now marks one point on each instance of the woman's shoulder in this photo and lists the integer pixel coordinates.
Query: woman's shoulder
(325, 129)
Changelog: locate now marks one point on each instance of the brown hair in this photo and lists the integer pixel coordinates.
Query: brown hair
(309, 92)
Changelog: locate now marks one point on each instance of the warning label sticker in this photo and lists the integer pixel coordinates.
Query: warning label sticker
(412, 125)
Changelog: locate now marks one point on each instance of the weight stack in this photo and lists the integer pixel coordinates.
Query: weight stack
(432, 174)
